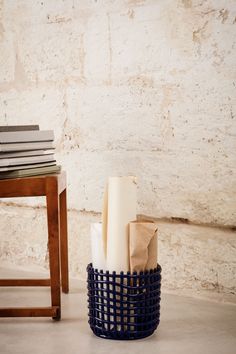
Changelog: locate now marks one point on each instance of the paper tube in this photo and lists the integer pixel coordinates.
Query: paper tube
(121, 209)
(142, 245)
(104, 220)
(98, 256)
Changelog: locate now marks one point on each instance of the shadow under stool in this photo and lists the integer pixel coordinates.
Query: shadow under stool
(54, 188)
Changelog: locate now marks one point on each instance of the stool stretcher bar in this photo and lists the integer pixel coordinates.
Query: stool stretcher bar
(29, 311)
(25, 282)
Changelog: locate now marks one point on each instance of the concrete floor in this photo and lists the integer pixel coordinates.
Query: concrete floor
(187, 326)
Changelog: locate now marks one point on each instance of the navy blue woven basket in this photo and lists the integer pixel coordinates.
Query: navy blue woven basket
(124, 305)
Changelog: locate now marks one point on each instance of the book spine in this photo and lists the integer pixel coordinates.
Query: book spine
(15, 161)
(14, 128)
(26, 136)
(10, 147)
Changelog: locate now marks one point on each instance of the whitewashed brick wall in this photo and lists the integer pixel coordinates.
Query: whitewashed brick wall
(130, 87)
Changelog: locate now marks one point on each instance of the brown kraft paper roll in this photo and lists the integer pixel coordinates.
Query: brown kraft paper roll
(142, 245)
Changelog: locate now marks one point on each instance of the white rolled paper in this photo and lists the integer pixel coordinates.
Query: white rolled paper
(121, 209)
(98, 255)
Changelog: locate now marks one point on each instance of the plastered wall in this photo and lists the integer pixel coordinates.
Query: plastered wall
(130, 87)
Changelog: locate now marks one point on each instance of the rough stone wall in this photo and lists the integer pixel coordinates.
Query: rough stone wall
(130, 87)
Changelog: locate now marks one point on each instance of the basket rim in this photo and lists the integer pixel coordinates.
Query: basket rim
(155, 270)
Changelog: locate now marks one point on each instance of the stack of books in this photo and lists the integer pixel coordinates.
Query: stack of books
(26, 151)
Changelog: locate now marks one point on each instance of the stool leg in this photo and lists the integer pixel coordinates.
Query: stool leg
(64, 243)
(53, 241)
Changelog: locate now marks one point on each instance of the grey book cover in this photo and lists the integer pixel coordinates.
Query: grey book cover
(13, 128)
(15, 161)
(26, 136)
(31, 172)
(23, 167)
(5, 155)
(26, 146)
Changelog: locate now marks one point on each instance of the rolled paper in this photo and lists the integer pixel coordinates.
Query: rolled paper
(104, 219)
(121, 209)
(98, 256)
(142, 245)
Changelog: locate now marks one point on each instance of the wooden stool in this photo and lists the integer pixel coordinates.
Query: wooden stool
(54, 188)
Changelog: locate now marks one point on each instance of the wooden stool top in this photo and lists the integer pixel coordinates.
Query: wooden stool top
(32, 186)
